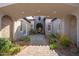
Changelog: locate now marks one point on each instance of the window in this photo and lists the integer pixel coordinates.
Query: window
(49, 27)
(21, 26)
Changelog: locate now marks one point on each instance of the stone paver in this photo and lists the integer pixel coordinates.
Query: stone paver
(38, 39)
(38, 47)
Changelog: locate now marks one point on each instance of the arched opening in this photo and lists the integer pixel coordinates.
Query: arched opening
(39, 28)
(7, 27)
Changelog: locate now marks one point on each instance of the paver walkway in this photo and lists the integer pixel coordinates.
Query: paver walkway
(38, 47)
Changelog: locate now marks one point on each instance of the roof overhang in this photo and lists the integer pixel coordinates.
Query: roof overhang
(20, 10)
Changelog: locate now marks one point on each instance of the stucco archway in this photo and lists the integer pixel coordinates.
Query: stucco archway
(7, 27)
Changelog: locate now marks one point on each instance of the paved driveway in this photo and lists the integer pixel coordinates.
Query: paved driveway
(38, 47)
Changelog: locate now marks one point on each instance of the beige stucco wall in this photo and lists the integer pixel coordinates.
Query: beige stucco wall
(6, 27)
(0, 24)
(70, 27)
(5, 30)
(78, 30)
(77, 16)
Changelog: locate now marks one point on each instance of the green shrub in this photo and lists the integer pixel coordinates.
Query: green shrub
(25, 38)
(52, 38)
(32, 31)
(64, 41)
(7, 48)
(53, 46)
(5, 45)
(14, 50)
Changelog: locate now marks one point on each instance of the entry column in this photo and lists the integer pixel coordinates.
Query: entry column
(77, 31)
(0, 26)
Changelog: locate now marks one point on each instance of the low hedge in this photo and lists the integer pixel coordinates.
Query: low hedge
(5, 45)
(7, 48)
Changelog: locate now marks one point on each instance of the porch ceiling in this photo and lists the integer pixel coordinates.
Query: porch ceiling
(38, 9)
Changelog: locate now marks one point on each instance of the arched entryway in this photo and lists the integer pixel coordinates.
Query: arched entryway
(6, 27)
(39, 28)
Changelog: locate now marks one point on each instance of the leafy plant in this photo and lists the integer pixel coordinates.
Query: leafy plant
(14, 50)
(64, 41)
(7, 48)
(5, 45)
(52, 38)
(53, 46)
(32, 31)
(25, 38)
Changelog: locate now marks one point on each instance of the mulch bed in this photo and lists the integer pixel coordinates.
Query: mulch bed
(71, 50)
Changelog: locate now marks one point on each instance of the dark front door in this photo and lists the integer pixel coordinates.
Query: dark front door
(39, 28)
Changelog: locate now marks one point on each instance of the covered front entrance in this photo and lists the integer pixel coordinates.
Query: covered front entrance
(54, 20)
(39, 28)
(39, 24)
